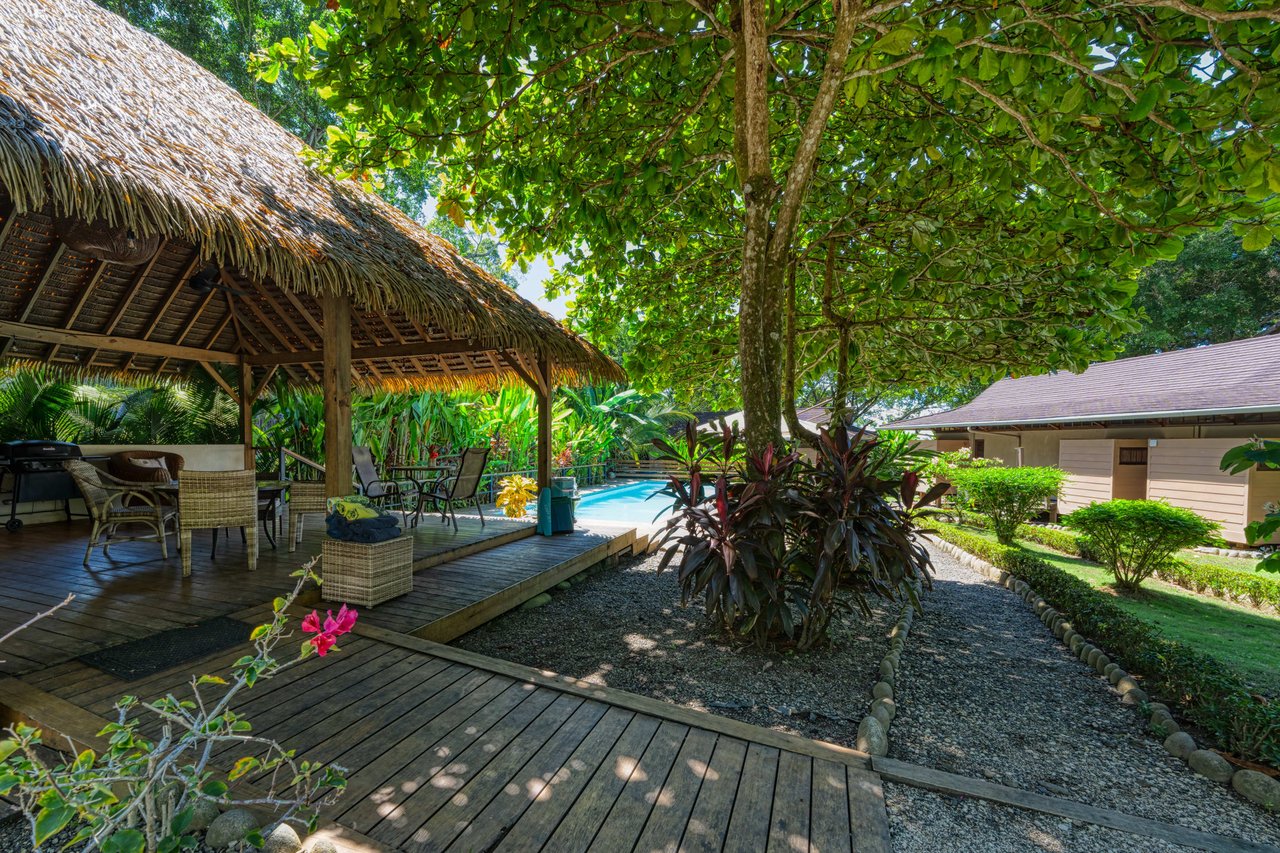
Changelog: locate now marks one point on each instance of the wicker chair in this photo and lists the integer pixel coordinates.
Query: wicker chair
(145, 466)
(106, 497)
(208, 500)
(304, 496)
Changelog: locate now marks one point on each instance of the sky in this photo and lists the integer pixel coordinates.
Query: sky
(531, 287)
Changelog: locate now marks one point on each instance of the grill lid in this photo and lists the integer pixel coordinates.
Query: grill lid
(13, 451)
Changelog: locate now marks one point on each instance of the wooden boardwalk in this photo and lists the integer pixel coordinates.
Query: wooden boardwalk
(446, 749)
(449, 750)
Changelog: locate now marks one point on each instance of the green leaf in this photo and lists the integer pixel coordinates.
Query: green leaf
(988, 65)
(1258, 237)
(50, 821)
(897, 41)
(213, 788)
(7, 747)
(125, 841)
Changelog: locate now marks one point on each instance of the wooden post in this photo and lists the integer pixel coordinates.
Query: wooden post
(336, 381)
(246, 397)
(544, 392)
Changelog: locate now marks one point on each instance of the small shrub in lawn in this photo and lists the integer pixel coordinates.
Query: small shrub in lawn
(1008, 496)
(1133, 539)
(1264, 454)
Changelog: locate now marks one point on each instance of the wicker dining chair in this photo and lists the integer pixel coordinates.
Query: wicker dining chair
(113, 502)
(304, 496)
(209, 500)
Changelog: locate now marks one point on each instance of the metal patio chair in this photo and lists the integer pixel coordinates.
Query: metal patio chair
(459, 490)
(400, 494)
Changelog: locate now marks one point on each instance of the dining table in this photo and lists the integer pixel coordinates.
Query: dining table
(270, 493)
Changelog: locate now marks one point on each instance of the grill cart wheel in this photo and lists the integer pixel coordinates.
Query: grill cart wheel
(13, 525)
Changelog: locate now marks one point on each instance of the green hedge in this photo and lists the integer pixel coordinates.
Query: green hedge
(1191, 574)
(1208, 693)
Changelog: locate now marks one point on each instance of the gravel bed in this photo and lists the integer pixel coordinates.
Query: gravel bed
(625, 628)
(986, 691)
(922, 821)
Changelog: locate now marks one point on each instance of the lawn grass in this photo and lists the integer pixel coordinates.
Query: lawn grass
(1239, 564)
(1246, 640)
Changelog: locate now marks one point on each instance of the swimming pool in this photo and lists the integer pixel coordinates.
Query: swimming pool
(629, 504)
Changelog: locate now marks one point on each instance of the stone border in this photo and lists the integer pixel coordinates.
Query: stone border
(873, 730)
(1258, 788)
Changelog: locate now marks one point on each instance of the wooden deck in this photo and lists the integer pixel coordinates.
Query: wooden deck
(449, 750)
(446, 749)
(136, 593)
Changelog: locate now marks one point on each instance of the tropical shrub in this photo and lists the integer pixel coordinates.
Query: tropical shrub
(141, 795)
(1210, 695)
(1133, 539)
(774, 545)
(1242, 458)
(514, 494)
(1008, 496)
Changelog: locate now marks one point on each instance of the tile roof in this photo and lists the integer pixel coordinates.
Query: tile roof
(1231, 378)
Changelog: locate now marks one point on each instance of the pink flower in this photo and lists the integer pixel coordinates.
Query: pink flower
(342, 623)
(322, 643)
(333, 627)
(311, 623)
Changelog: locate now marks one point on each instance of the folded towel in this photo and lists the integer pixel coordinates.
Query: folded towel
(366, 535)
(353, 507)
(376, 521)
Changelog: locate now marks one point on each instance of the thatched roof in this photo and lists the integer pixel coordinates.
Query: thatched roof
(101, 121)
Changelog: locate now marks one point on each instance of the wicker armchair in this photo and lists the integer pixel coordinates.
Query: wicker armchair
(106, 496)
(145, 466)
(304, 496)
(209, 500)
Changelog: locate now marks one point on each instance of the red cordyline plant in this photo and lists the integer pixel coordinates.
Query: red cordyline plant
(778, 545)
(140, 795)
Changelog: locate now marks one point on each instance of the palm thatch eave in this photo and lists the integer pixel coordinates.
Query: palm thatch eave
(103, 122)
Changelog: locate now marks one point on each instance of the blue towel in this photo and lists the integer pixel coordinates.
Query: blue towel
(366, 530)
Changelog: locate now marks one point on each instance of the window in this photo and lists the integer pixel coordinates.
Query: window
(979, 448)
(1133, 456)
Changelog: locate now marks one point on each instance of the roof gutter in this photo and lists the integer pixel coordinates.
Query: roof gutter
(1083, 418)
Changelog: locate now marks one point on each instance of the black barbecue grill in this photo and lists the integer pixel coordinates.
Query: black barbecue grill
(34, 472)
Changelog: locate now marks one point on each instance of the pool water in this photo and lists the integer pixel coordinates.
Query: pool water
(630, 504)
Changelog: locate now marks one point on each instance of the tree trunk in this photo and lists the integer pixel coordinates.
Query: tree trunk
(798, 432)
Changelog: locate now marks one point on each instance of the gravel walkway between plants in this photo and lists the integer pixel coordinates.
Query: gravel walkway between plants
(986, 691)
(625, 628)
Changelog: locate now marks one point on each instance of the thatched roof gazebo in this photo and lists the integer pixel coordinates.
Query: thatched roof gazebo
(151, 220)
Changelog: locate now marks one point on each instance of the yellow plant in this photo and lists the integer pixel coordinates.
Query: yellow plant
(514, 494)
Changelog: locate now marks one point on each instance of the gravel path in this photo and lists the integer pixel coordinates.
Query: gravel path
(625, 628)
(986, 691)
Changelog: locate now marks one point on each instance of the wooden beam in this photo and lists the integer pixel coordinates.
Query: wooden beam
(410, 350)
(114, 343)
(29, 304)
(544, 393)
(132, 292)
(336, 381)
(222, 383)
(167, 304)
(266, 380)
(246, 414)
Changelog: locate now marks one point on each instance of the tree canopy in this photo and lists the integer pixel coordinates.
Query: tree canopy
(1214, 291)
(955, 188)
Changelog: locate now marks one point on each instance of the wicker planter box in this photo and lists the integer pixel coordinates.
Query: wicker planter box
(358, 573)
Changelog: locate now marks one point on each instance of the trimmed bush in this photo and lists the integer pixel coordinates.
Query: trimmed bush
(1210, 694)
(1008, 496)
(1133, 539)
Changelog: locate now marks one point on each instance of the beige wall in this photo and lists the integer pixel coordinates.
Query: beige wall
(1088, 463)
(1264, 487)
(196, 457)
(1185, 472)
